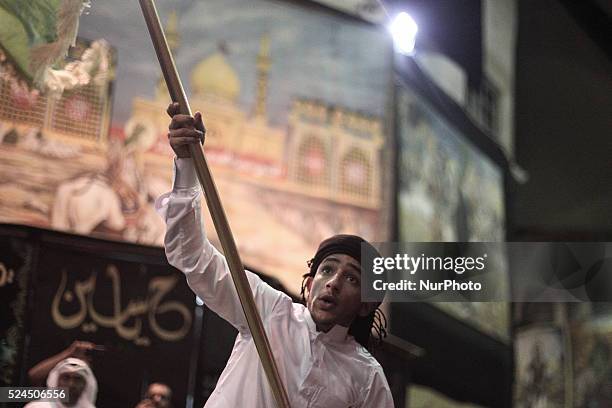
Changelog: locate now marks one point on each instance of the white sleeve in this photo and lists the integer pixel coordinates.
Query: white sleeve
(188, 249)
(378, 393)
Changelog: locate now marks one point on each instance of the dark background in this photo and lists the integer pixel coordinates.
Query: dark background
(563, 121)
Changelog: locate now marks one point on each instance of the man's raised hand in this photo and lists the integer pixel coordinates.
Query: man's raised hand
(184, 130)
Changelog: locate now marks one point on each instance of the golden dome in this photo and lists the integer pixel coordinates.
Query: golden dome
(214, 75)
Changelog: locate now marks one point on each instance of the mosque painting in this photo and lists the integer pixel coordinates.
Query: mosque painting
(293, 165)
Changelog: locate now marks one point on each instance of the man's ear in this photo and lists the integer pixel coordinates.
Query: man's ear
(367, 308)
(308, 285)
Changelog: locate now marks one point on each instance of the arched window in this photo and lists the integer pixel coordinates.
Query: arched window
(313, 162)
(355, 173)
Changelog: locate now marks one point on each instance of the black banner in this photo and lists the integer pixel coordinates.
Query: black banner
(125, 298)
(15, 262)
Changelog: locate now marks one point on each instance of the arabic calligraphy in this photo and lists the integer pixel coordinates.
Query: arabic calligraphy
(6, 275)
(127, 321)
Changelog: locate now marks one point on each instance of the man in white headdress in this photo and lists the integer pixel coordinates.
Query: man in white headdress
(76, 376)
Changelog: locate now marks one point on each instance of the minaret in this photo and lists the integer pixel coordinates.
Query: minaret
(173, 37)
(263, 67)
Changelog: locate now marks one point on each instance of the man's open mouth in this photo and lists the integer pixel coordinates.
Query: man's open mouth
(327, 301)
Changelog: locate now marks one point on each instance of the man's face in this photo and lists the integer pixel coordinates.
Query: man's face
(159, 394)
(75, 383)
(334, 294)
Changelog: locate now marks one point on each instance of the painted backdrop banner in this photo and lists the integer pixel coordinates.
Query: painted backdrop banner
(294, 102)
(448, 191)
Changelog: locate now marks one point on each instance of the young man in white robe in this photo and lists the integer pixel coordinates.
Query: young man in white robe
(318, 347)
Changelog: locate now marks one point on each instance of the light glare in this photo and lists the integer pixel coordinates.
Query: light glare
(403, 30)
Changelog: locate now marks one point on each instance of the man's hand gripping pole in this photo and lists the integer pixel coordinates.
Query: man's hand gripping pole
(217, 213)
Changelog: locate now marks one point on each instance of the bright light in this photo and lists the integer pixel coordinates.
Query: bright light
(403, 30)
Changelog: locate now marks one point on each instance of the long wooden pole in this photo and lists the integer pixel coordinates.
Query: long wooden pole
(213, 201)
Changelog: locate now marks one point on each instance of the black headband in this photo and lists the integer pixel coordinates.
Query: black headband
(350, 245)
